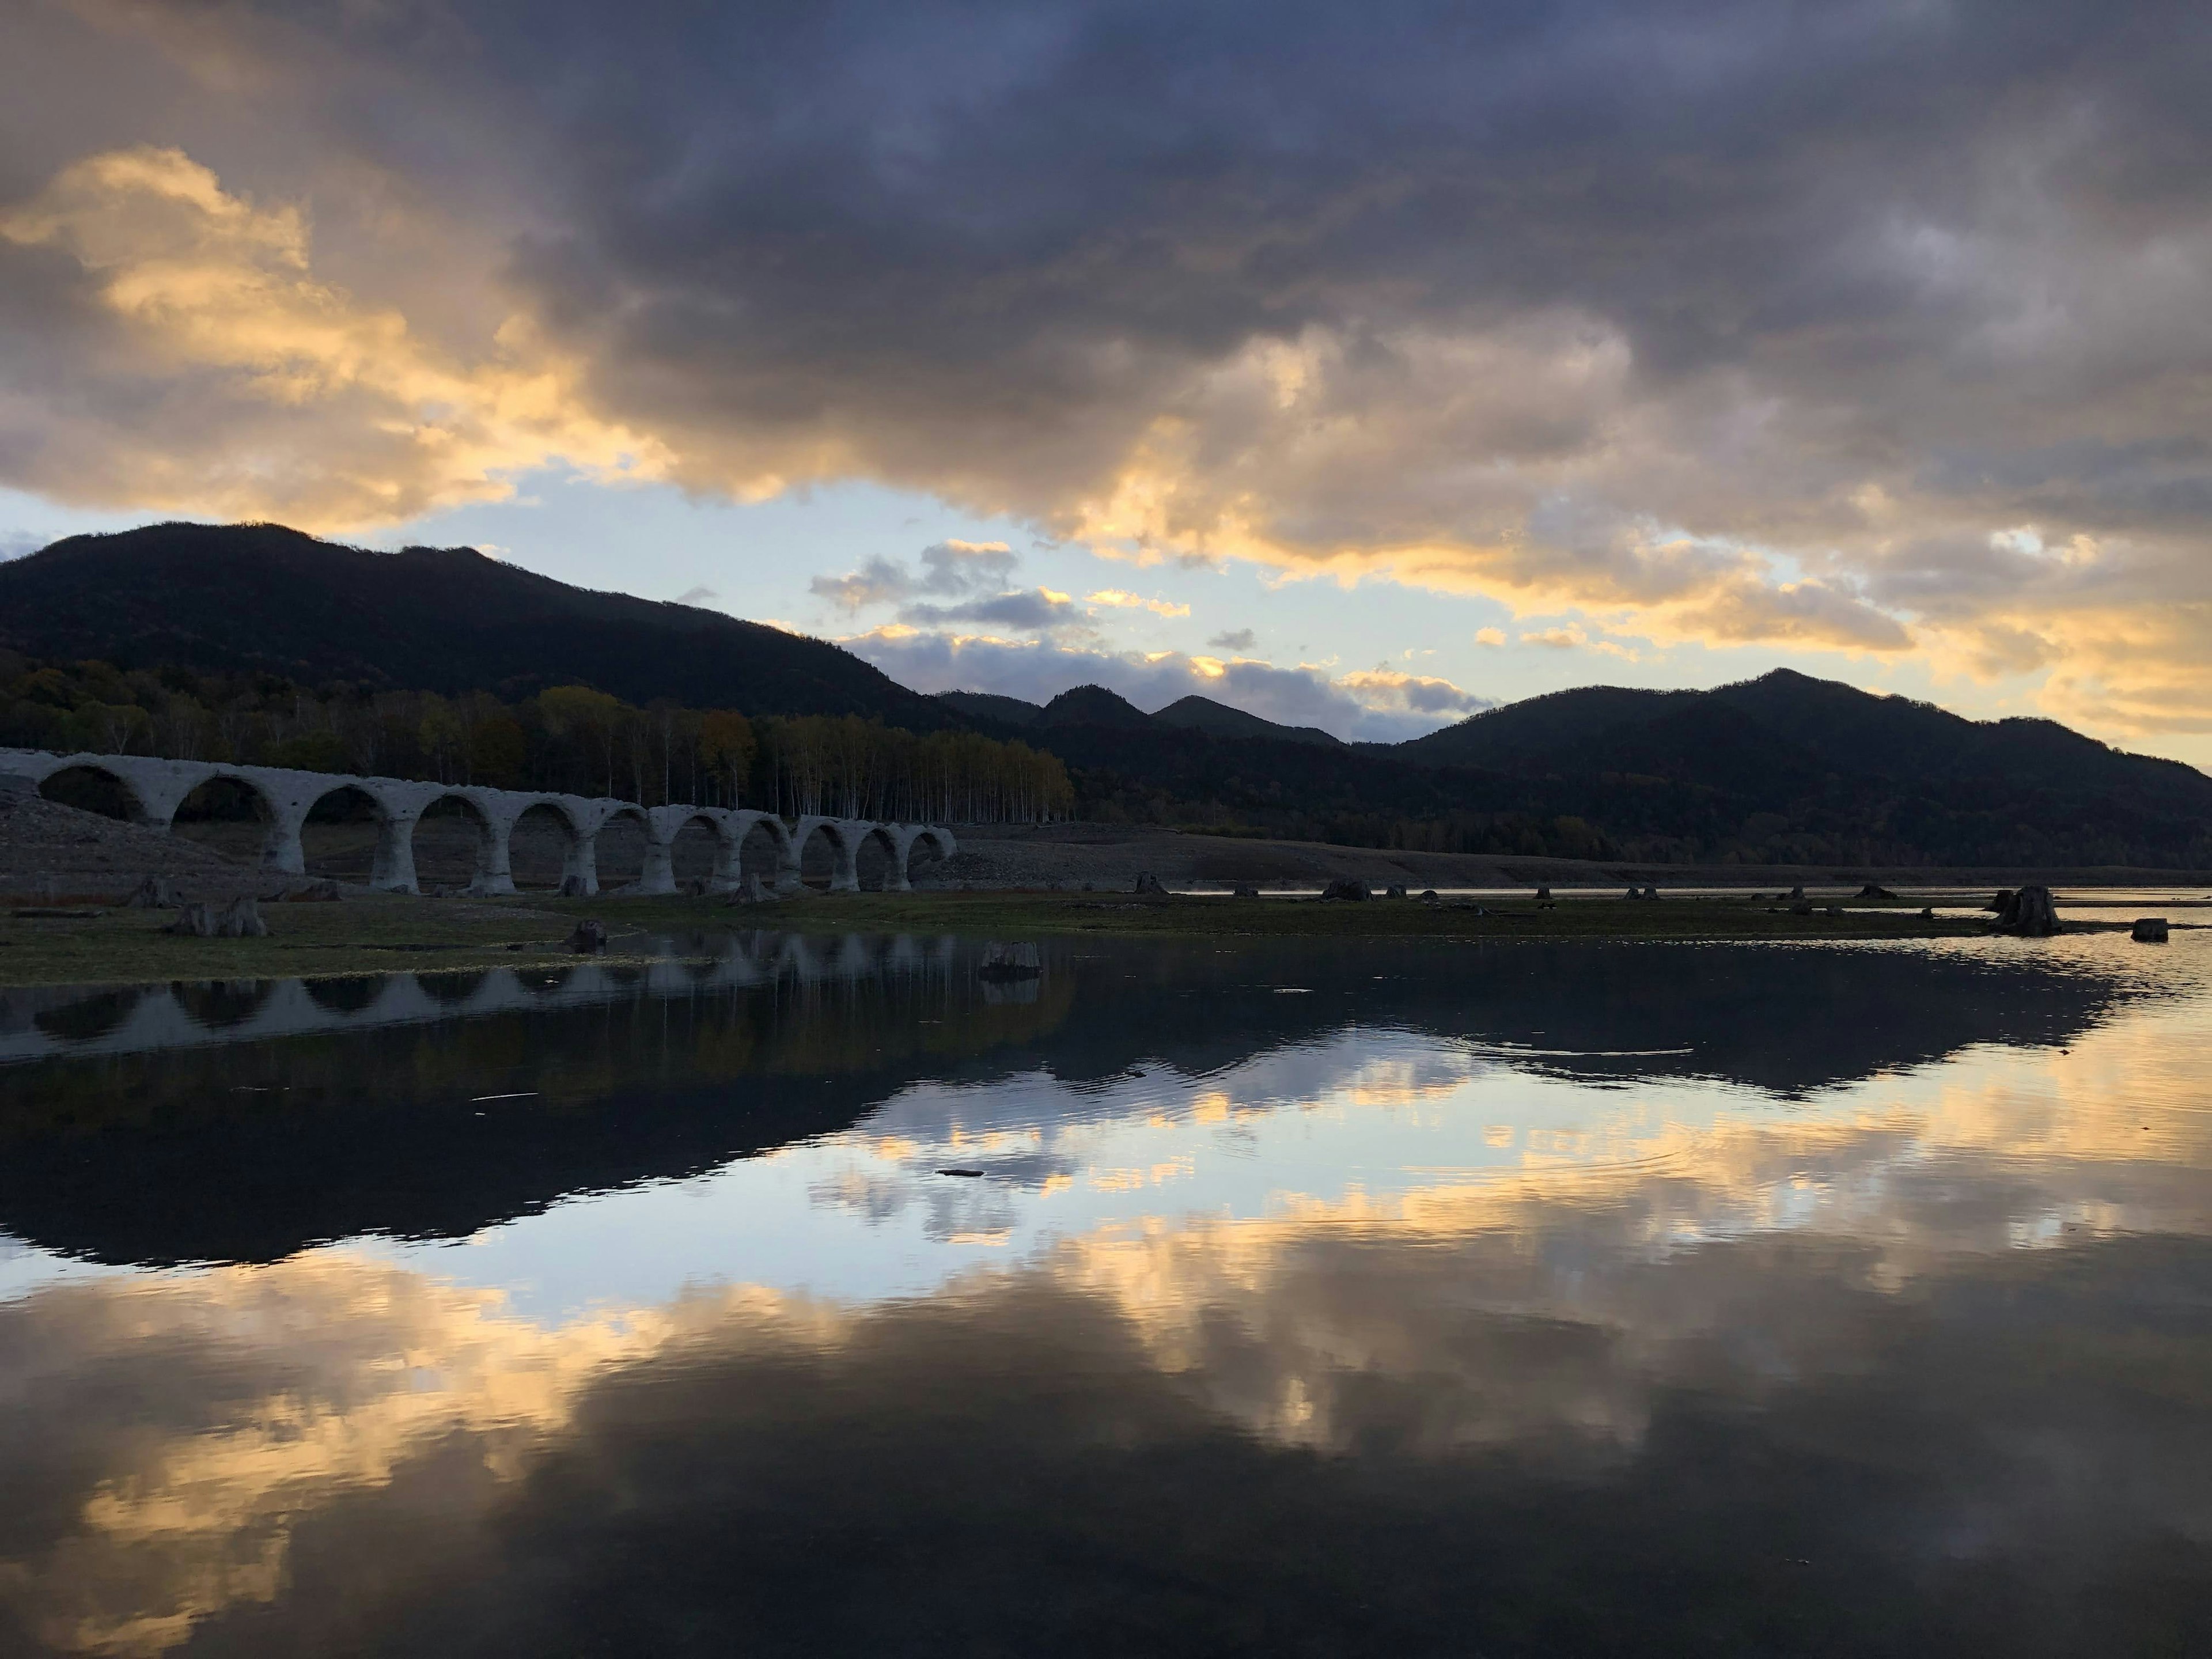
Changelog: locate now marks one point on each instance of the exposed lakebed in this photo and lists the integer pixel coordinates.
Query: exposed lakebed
(811, 1294)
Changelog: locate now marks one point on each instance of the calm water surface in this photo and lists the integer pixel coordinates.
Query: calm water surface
(816, 1295)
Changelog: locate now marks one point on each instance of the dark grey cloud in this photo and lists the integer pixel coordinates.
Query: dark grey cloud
(1752, 322)
(1035, 611)
(948, 568)
(1234, 639)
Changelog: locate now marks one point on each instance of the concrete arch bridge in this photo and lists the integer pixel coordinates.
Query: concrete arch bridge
(155, 788)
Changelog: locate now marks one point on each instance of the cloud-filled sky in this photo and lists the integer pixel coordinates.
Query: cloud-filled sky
(1360, 365)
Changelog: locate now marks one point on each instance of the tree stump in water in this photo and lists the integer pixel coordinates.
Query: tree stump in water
(1149, 886)
(1347, 887)
(2029, 913)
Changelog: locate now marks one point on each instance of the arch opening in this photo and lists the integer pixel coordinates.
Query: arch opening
(450, 990)
(337, 840)
(348, 995)
(620, 853)
(538, 846)
(228, 815)
(925, 858)
(452, 844)
(874, 861)
(88, 1018)
(695, 852)
(817, 857)
(761, 853)
(215, 1005)
(92, 789)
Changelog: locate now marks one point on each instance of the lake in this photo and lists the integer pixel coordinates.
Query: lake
(823, 1295)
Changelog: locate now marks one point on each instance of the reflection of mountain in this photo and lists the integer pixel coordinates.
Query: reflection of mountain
(237, 1151)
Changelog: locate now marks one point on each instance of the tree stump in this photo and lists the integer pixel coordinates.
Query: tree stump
(242, 920)
(2029, 913)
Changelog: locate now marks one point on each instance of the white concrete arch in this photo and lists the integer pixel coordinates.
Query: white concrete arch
(843, 835)
(742, 823)
(907, 836)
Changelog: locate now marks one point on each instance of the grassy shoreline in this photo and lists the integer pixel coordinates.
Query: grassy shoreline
(125, 947)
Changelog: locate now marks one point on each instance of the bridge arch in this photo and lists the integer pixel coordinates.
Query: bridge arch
(920, 847)
(761, 847)
(209, 813)
(621, 859)
(875, 866)
(92, 787)
(824, 849)
(548, 848)
(484, 848)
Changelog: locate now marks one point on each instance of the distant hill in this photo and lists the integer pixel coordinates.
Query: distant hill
(244, 597)
(1199, 714)
(988, 706)
(1095, 706)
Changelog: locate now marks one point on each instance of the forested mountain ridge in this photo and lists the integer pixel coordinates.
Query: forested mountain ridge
(231, 598)
(1784, 769)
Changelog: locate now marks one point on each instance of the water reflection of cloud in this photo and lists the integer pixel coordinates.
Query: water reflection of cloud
(257, 1434)
(1948, 1315)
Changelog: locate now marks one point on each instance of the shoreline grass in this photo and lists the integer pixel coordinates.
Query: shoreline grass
(381, 936)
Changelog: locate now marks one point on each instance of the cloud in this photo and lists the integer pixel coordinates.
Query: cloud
(216, 373)
(948, 568)
(696, 596)
(1033, 611)
(1380, 706)
(1117, 599)
(1238, 640)
(1490, 637)
(1707, 323)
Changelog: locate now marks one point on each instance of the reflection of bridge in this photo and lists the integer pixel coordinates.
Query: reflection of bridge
(155, 788)
(37, 1023)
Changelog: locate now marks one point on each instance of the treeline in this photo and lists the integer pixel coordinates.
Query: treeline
(571, 739)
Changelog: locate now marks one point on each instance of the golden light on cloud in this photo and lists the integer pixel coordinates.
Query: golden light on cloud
(1121, 600)
(336, 415)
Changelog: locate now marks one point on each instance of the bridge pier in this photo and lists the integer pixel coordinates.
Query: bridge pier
(393, 870)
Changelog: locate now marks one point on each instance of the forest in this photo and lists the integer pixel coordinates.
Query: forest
(569, 739)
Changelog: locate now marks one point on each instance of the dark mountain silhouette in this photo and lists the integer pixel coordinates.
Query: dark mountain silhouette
(1199, 714)
(1784, 769)
(248, 598)
(987, 706)
(1094, 706)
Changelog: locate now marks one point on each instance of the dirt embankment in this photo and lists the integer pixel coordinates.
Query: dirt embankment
(49, 853)
(1110, 857)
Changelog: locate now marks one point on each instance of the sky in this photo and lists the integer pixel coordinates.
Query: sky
(1360, 367)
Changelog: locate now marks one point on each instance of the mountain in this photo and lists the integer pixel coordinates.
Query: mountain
(1094, 706)
(1199, 714)
(1752, 734)
(244, 597)
(989, 706)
